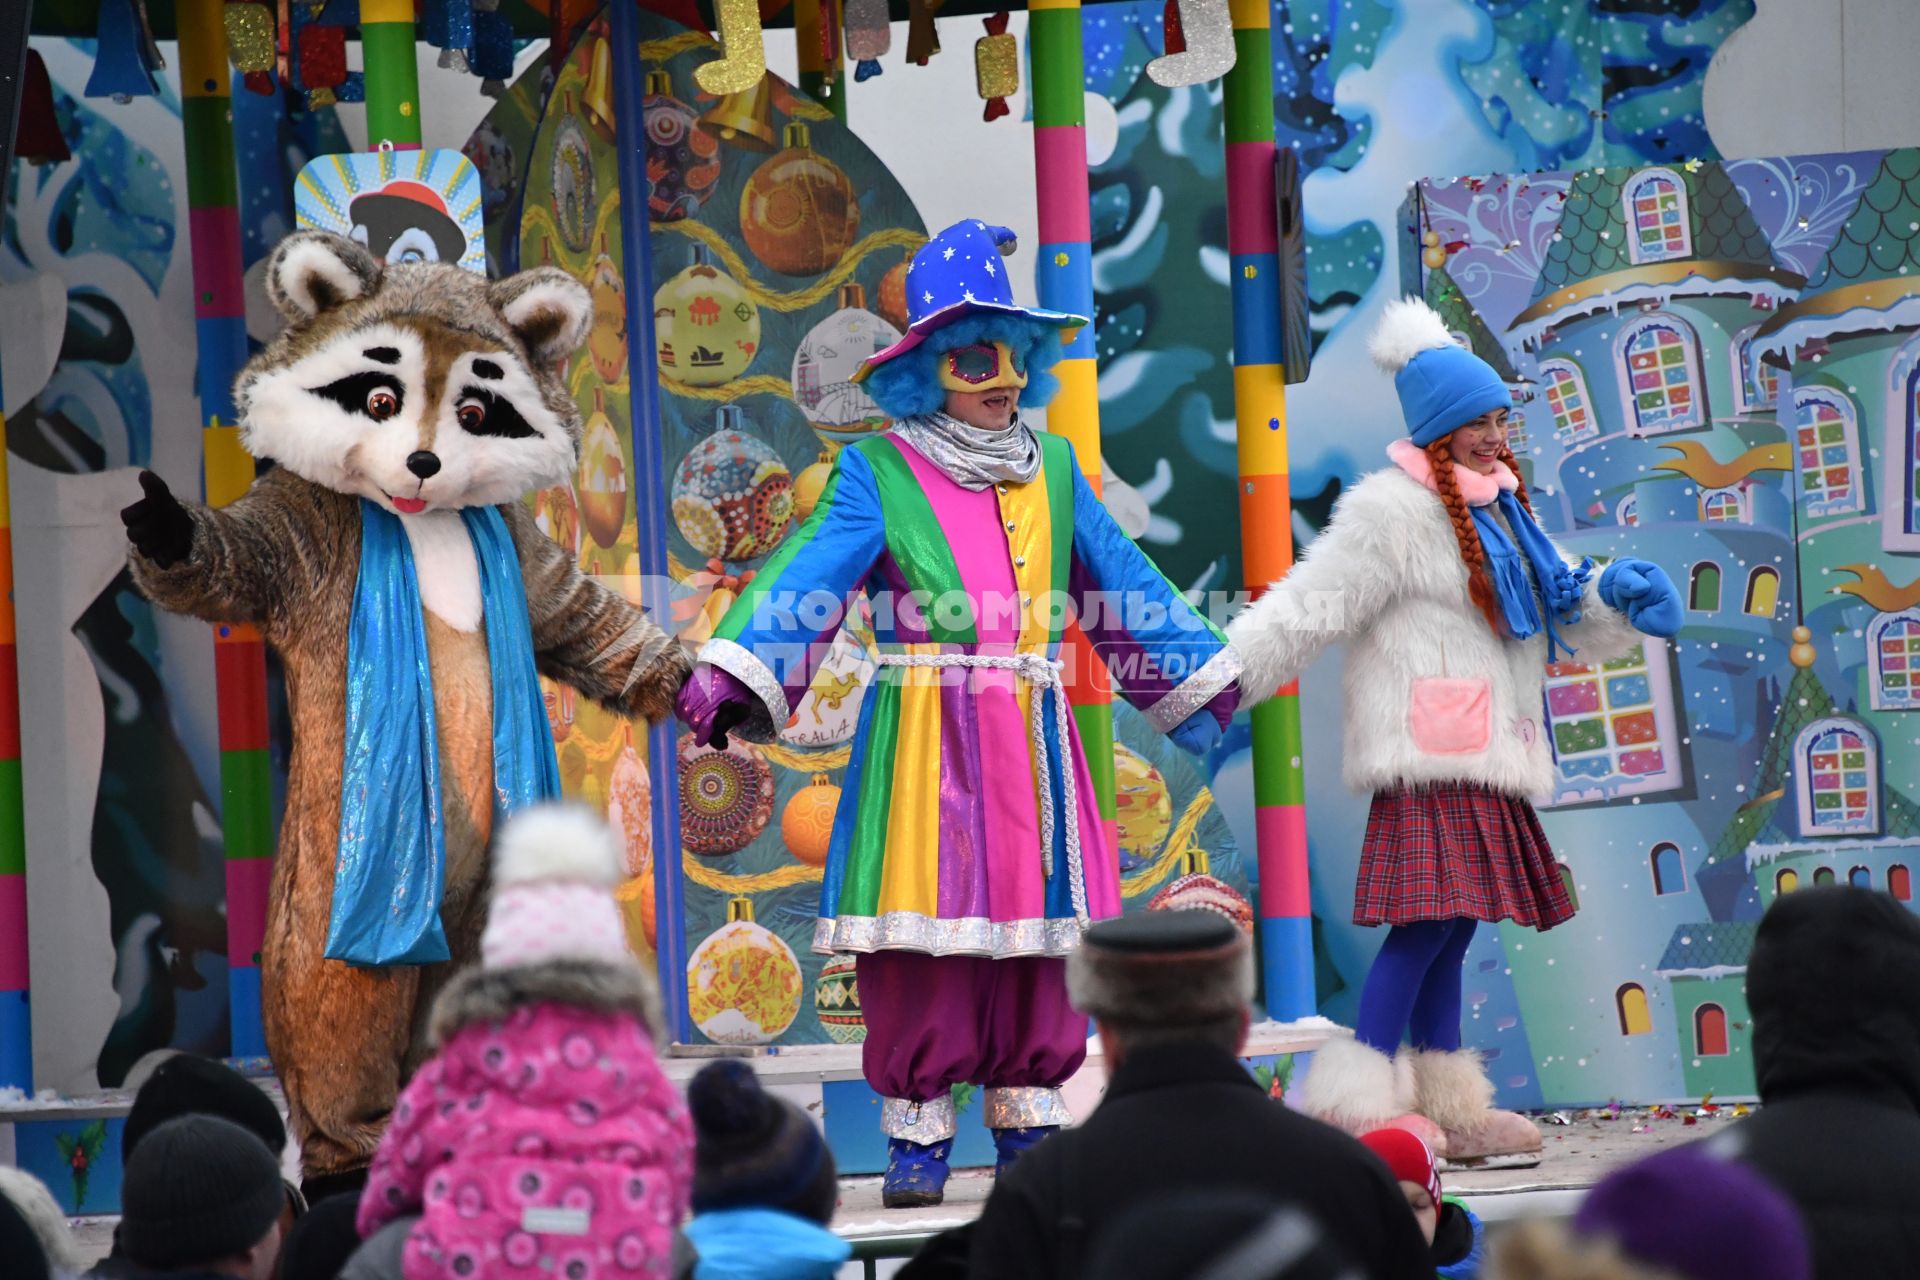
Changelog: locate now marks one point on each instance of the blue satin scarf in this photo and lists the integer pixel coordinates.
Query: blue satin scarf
(1560, 586)
(392, 866)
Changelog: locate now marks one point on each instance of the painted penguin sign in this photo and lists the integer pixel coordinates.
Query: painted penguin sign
(404, 206)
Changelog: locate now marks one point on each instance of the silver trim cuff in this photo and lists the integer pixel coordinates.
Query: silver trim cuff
(738, 661)
(966, 936)
(1029, 1107)
(1193, 693)
(923, 1122)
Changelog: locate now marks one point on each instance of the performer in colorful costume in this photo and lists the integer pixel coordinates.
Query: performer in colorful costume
(977, 541)
(1452, 601)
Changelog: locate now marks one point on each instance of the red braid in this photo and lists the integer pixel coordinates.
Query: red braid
(1479, 584)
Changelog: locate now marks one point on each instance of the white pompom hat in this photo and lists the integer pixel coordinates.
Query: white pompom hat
(553, 868)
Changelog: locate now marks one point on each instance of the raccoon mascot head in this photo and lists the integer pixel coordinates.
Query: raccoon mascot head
(419, 386)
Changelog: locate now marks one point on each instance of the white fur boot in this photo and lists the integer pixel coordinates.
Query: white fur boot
(1453, 1091)
(1355, 1087)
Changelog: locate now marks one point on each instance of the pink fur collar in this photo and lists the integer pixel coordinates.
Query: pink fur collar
(1478, 490)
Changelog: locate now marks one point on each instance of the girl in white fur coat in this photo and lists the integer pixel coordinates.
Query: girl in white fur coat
(1453, 602)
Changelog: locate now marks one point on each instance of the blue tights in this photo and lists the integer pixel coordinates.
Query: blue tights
(1414, 987)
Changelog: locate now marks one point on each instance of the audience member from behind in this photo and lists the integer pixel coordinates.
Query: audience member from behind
(764, 1183)
(42, 1214)
(1170, 992)
(542, 1132)
(1218, 1235)
(1452, 1231)
(1836, 1050)
(320, 1243)
(20, 1245)
(201, 1197)
(1681, 1215)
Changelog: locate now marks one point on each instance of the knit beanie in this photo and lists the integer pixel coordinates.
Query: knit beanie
(321, 1242)
(1699, 1217)
(552, 868)
(185, 1085)
(1407, 1157)
(751, 1149)
(197, 1190)
(1442, 385)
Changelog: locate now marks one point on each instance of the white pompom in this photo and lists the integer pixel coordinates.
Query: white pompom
(563, 842)
(1407, 327)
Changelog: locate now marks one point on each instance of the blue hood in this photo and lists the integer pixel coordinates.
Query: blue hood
(764, 1244)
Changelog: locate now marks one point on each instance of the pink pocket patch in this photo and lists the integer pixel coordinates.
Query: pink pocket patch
(1451, 717)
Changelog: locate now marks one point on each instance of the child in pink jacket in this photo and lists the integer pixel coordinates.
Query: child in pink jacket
(542, 1140)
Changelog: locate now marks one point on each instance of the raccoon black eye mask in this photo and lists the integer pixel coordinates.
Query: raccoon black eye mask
(482, 413)
(371, 393)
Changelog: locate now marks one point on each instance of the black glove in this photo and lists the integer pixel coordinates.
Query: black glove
(157, 525)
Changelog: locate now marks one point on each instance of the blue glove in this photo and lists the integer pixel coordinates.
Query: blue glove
(1197, 733)
(1643, 591)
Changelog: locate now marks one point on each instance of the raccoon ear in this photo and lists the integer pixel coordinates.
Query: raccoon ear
(315, 271)
(547, 309)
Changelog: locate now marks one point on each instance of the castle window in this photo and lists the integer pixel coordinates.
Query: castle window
(1669, 876)
(1786, 881)
(1825, 450)
(1860, 878)
(1703, 588)
(1631, 1002)
(1900, 882)
(1837, 775)
(1902, 514)
(1612, 726)
(1763, 592)
(1657, 212)
(1893, 644)
(1823, 875)
(1566, 398)
(1723, 505)
(1661, 374)
(1756, 384)
(1628, 512)
(1709, 1031)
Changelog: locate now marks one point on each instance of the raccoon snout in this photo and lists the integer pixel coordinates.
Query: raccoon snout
(424, 463)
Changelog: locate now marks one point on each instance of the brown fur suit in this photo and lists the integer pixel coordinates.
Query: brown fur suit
(424, 389)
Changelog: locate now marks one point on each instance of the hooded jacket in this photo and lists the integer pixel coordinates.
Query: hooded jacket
(1836, 1048)
(764, 1244)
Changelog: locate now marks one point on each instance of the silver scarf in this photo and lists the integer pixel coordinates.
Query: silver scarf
(969, 456)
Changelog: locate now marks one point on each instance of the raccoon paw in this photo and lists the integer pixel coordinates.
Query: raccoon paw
(157, 525)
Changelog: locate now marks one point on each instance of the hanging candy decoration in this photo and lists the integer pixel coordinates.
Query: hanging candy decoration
(123, 66)
(798, 212)
(1206, 50)
(732, 495)
(1176, 40)
(923, 37)
(447, 25)
(38, 139)
(743, 982)
(250, 43)
(996, 66)
(492, 49)
(683, 160)
(726, 797)
(743, 60)
(323, 64)
(869, 35)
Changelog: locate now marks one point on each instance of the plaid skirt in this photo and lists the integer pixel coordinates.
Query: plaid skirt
(1454, 851)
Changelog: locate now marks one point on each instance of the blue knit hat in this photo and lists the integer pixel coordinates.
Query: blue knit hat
(1442, 385)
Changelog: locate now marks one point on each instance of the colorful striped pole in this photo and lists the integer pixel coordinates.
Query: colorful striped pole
(393, 75)
(815, 22)
(239, 653)
(1065, 277)
(16, 1024)
(1266, 511)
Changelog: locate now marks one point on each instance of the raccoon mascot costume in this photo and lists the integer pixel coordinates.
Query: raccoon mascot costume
(388, 559)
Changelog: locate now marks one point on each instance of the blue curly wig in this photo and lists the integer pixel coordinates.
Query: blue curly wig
(908, 386)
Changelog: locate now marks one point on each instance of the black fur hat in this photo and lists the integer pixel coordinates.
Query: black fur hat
(1162, 968)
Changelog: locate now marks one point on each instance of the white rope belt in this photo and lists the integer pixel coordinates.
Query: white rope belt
(1043, 673)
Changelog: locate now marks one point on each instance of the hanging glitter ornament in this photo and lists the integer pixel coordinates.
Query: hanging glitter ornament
(836, 999)
(706, 328)
(869, 30)
(123, 68)
(798, 212)
(923, 35)
(575, 201)
(892, 303)
(1197, 890)
(683, 160)
(996, 66)
(603, 476)
(824, 365)
(806, 824)
(607, 340)
(732, 495)
(726, 797)
(250, 43)
(743, 57)
(38, 139)
(492, 55)
(1143, 808)
(1206, 49)
(447, 25)
(743, 982)
(323, 63)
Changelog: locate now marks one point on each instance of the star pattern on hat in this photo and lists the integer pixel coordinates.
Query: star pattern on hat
(948, 255)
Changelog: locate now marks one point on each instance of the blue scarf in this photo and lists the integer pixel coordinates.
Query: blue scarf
(1561, 587)
(391, 872)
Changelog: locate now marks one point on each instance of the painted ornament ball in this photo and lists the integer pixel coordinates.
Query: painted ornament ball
(836, 999)
(607, 342)
(602, 482)
(824, 365)
(575, 204)
(743, 984)
(806, 824)
(556, 515)
(630, 810)
(809, 485)
(683, 159)
(893, 296)
(726, 797)
(1143, 807)
(798, 212)
(732, 495)
(706, 328)
(1199, 891)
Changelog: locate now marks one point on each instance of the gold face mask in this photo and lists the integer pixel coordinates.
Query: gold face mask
(986, 366)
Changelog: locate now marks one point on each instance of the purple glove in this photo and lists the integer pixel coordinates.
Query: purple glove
(712, 701)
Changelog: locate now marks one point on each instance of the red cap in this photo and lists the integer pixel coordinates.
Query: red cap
(1410, 1158)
